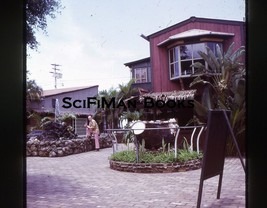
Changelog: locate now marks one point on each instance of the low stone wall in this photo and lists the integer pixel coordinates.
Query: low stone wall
(155, 167)
(58, 148)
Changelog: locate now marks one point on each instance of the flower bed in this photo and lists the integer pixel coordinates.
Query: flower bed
(155, 161)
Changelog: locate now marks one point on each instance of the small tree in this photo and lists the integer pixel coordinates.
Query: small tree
(120, 94)
(126, 91)
(33, 93)
(107, 114)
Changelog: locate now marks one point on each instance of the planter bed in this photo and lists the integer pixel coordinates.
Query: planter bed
(155, 167)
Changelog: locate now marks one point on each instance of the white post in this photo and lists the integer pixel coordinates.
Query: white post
(175, 143)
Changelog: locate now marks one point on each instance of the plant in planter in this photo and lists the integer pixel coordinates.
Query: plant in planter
(186, 154)
(163, 155)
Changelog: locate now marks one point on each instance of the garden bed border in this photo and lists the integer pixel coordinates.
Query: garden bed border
(156, 167)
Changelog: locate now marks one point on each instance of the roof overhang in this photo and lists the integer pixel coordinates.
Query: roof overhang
(194, 33)
(47, 93)
(172, 95)
(140, 61)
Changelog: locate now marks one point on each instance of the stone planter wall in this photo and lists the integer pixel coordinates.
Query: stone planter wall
(155, 167)
(35, 147)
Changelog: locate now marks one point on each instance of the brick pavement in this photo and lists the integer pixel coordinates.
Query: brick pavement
(85, 181)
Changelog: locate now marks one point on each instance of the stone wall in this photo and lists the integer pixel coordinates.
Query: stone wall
(155, 167)
(58, 148)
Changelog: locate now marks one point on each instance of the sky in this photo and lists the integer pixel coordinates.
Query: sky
(91, 40)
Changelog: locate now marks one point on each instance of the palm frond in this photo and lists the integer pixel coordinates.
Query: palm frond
(237, 54)
(213, 59)
(229, 51)
(198, 80)
(220, 54)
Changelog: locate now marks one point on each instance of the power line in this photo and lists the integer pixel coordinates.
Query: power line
(56, 73)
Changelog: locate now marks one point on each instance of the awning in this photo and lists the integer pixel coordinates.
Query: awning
(195, 33)
(172, 95)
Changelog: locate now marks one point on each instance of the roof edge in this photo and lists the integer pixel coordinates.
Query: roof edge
(196, 19)
(129, 64)
(65, 90)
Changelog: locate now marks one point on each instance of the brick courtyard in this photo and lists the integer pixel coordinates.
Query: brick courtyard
(85, 180)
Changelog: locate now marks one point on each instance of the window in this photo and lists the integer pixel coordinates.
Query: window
(183, 56)
(140, 75)
(174, 62)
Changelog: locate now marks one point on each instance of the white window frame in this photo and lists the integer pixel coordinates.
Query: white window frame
(140, 79)
(176, 62)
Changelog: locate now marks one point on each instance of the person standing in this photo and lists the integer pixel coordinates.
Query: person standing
(92, 128)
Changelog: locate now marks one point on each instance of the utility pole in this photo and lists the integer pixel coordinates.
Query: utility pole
(56, 73)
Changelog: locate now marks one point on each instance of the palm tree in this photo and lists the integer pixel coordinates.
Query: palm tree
(224, 81)
(126, 91)
(33, 93)
(111, 115)
(107, 114)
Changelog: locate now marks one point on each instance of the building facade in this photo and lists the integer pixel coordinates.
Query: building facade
(174, 49)
(73, 100)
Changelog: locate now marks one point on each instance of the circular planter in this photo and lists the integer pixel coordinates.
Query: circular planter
(155, 167)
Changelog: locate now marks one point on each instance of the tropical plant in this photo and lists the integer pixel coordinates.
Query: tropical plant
(165, 148)
(34, 92)
(131, 116)
(224, 80)
(186, 153)
(45, 120)
(126, 91)
(35, 123)
(121, 94)
(67, 118)
(108, 114)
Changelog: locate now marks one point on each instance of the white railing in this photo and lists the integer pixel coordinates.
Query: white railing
(177, 132)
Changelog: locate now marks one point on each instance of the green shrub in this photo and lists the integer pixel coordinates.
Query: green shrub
(124, 156)
(185, 155)
(159, 157)
(155, 157)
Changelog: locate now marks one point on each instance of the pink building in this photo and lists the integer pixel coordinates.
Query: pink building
(174, 49)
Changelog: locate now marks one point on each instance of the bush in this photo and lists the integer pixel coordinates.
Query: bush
(124, 156)
(155, 157)
(185, 155)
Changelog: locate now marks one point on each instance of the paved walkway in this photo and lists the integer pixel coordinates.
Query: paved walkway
(85, 180)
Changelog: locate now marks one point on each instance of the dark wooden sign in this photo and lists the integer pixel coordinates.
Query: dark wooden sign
(214, 152)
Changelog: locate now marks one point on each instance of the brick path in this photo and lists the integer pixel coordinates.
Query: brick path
(85, 180)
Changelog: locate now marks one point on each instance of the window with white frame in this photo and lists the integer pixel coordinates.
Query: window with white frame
(183, 56)
(140, 75)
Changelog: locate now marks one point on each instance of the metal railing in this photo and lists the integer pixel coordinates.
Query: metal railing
(177, 132)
